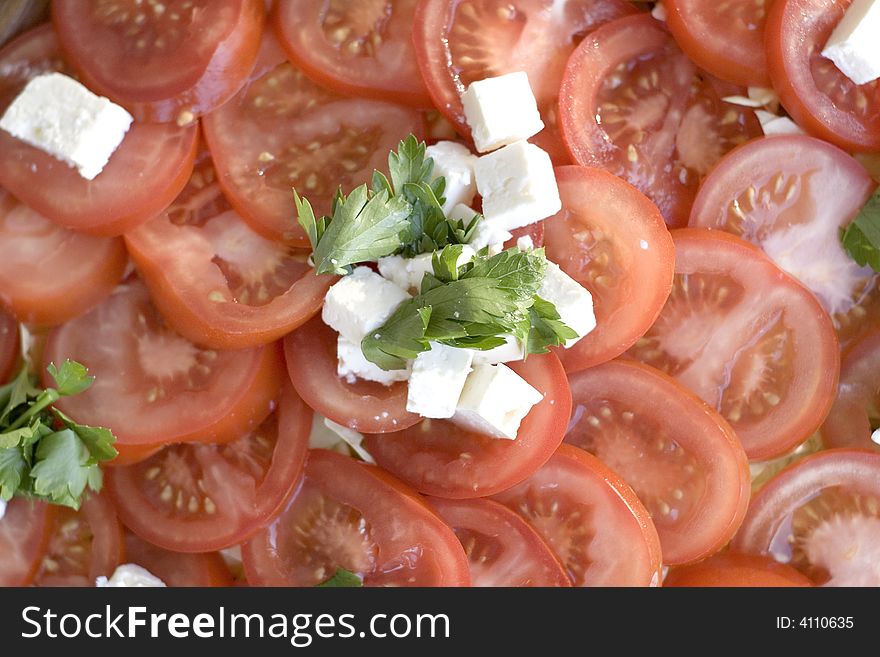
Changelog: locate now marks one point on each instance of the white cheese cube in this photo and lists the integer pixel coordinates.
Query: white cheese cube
(456, 164)
(777, 125)
(130, 575)
(501, 110)
(360, 303)
(408, 273)
(463, 213)
(511, 350)
(354, 365)
(573, 302)
(2, 509)
(518, 186)
(489, 235)
(854, 45)
(437, 380)
(494, 401)
(525, 243)
(58, 115)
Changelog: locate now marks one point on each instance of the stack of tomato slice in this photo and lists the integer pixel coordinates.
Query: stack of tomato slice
(180, 278)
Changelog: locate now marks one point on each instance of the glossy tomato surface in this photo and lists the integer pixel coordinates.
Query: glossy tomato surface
(24, 536)
(731, 569)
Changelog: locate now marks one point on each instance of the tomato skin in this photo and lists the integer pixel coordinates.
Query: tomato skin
(101, 56)
(22, 554)
(175, 568)
(736, 570)
(849, 422)
(380, 499)
(438, 458)
(796, 30)
(9, 349)
(606, 220)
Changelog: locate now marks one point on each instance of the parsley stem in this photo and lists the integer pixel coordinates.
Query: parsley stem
(45, 399)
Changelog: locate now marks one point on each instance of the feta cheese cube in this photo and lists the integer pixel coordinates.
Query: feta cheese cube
(354, 365)
(494, 401)
(511, 350)
(525, 243)
(438, 377)
(130, 575)
(573, 302)
(58, 115)
(777, 125)
(408, 273)
(501, 110)
(518, 186)
(456, 164)
(463, 213)
(854, 45)
(489, 235)
(360, 303)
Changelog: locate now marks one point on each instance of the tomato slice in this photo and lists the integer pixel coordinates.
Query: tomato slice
(591, 519)
(736, 570)
(158, 157)
(612, 240)
(358, 48)
(153, 386)
(461, 41)
(75, 271)
(199, 498)
(773, 192)
(819, 97)
(632, 103)
(821, 516)
(284, 131)
(176, 568)
(681, 458)
(725, 37)
(24, 537)
(856, 410)
(168, 61)
(9, 351)
(216, 281)
(748, 339)
(350, 515)
(364, 405)
(83, 545)
(439, 458)
(502, 549)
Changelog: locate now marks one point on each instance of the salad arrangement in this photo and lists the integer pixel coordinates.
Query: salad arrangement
(441, 293)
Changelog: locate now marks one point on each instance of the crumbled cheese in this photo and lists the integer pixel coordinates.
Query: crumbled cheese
(501, 110)
(360, 303)
(772, 124)
(407, 273)
(353, 365)
(487, 234)
(58, 115)
(525, 243)
(455, 163)
(659, 12)
(130, 575)
(438, 377)
(854, 45)
(494, 401)
(758, 97)
(350, 437)
(875, 436)
(573, 302)
(2, 509)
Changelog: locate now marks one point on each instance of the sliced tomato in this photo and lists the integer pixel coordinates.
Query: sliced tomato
(284, 131)
(358, 48)
(364, 405)
(439, 458)
(461, 41)
(592, 520)
(612, 240)
(158, 157)
(632, 103)
(681, 458)
(856, 410)
(83, 545)
(75, 271)
(736, 570)
(200, 498)
(725, 37)
(216, 281)
(9, 351)
(350, 515)
(502, 549)
(748, 339)
(821, 516)
(153, 386)
(176, 568)
(819, 97)
(773, 192)
(24, 537)
(166, 61)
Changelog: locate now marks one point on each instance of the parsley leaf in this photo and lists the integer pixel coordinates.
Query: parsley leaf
(342, 578)
(547, 329)
(44, 454)
(861, 239)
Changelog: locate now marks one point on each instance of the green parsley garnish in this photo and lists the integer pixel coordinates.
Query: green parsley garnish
(342, 578)
(473, 306)
(861, 239)
(403, 215)
(44, 454)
